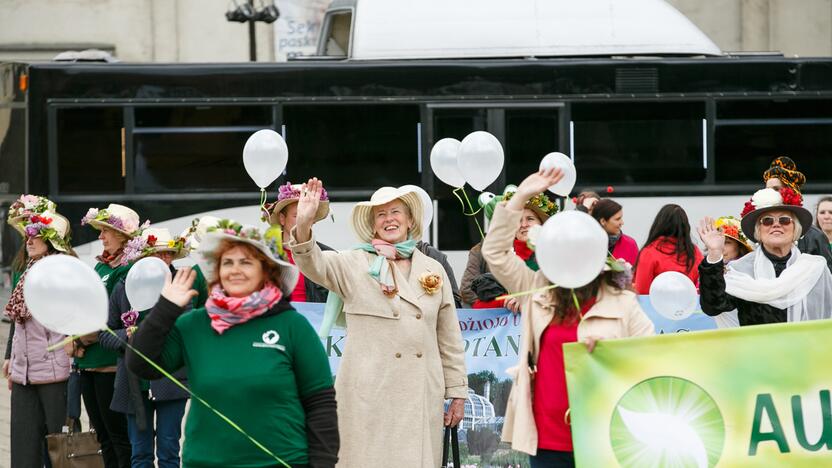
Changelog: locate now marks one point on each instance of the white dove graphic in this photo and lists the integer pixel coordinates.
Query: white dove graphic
(667, 433)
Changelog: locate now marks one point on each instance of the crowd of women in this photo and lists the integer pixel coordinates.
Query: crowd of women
(227, 328)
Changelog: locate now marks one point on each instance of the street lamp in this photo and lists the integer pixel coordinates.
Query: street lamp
(246, 13)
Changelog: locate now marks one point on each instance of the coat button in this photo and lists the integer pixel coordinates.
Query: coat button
(418, 316)
(418, 355)
(398, 355)
(395, 314)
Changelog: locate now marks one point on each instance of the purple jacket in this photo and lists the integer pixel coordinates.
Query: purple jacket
(31, 363)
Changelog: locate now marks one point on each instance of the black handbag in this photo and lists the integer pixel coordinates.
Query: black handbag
(450, 442)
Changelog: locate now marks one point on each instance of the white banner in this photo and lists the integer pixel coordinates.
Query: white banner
(296, 30)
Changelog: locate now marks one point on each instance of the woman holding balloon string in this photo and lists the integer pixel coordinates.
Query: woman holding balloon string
(249, 355)
(117, 224)
(536, 420)
(37, 377)
(776, 282)
(140, 400)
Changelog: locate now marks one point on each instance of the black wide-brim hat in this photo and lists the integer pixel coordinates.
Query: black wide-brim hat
(749, 221)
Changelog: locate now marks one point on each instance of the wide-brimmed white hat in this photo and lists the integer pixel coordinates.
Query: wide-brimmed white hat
(362, 212)
(289, 193)
(48, 225)
(116, 217)
(232, 231)
(768, 199)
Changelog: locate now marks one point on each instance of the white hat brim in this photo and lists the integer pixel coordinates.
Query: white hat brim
(289, 273)
(362, 214)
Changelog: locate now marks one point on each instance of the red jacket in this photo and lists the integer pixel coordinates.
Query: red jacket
(659, 257)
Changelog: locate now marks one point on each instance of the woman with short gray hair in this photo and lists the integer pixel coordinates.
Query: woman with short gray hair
(776, 282)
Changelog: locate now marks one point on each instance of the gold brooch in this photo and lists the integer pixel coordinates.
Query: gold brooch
(431, 282)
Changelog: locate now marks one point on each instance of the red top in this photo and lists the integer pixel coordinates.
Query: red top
(299, 293)
(659, 257)
(492, 304)
(551, 400)
(626, 249)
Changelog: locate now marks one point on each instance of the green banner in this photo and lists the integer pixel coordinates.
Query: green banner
(751, 396)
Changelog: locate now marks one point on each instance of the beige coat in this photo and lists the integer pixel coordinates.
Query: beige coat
(616, 314)
(404, 356)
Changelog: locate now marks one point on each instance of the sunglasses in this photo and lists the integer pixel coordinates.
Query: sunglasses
(769, 220)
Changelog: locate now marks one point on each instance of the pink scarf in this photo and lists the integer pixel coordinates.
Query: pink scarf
(225, 312)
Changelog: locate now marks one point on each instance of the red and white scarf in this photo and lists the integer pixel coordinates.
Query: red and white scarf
(225, 311)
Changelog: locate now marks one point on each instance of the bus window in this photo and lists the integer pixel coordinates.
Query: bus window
(353, 146)
(530, 135)
(203, 116)
(89, 145)
(750, 134)
(639, 142)
(181, 162)
(336, 40)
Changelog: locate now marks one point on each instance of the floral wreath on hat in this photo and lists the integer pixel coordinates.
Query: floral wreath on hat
(287, 191)
(94, 214)
(236, 229)
(139, 247)
(730, 226)
(540, 201)
(789, 196)
(27, 215)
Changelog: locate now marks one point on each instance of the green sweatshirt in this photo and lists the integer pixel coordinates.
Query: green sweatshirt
(256, 373)
(95, 356)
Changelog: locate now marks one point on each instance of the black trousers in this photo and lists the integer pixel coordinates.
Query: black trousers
(552, 459)
(36, 410)
(110, 426)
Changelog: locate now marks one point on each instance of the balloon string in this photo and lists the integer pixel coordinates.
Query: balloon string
(63, 342)
(471, 213)
(263, 203)
(197, 398)
(525, 293)
(577, 304)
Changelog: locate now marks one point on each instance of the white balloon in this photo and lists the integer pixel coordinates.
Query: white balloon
(443, 159)
(427, 205)
(673, 295)
(565, 186)
(66, 296)
(480, 159)
(145, 281)
(571, 249)
(265, 156)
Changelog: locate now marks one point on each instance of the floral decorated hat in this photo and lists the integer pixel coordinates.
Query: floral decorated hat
(768, 199)
(34, 216)
(116, 217)
(288, 194)
(154, 240)
(731, 227)
(226, 229)
(543, 207)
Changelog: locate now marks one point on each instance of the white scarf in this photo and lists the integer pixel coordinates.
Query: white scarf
(804, 288)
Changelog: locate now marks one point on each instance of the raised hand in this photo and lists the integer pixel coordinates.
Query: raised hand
(178, 290)
(310, 198)
(713, 239)
(534, 184)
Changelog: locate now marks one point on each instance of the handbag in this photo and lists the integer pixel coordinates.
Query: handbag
(450, 442)
(73, 448)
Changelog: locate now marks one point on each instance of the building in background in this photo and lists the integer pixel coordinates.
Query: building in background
(197, 31)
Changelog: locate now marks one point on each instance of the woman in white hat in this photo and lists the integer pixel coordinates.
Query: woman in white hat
(141, 400)
(37, 377)
(97, 366)
(776, 282)
(248, 353)
(405, 352)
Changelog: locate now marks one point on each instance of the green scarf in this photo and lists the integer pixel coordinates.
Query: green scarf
(379, 270)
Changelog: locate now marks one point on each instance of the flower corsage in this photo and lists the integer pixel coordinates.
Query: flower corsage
(431, 282)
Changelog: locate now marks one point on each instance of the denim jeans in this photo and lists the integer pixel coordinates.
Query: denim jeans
(165, 438)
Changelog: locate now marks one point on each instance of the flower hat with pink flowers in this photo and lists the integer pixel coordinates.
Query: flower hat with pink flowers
(116, 217)
(287, 194)
(34, 216)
